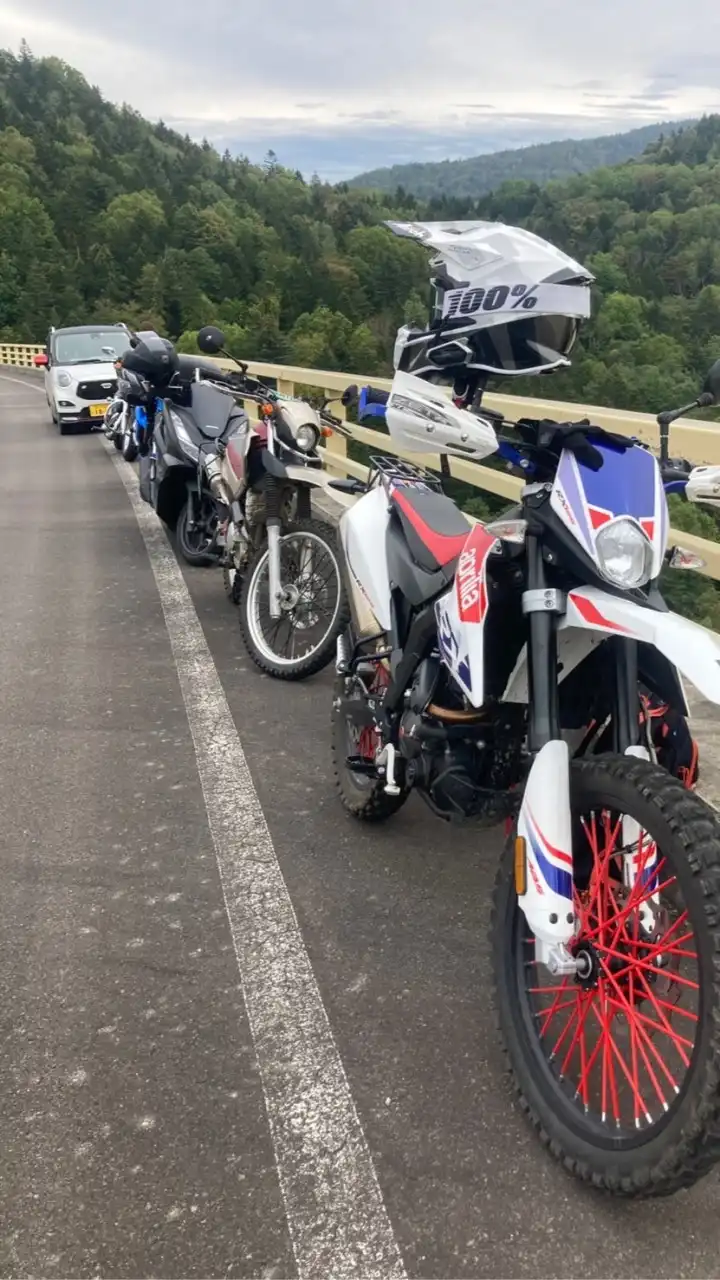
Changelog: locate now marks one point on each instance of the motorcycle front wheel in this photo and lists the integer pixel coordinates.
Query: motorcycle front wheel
(314, 608)
(618, 1070)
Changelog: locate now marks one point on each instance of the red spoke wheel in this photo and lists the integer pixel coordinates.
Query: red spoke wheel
(618, 1067)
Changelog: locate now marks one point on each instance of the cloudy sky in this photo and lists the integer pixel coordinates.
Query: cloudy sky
(339, 86)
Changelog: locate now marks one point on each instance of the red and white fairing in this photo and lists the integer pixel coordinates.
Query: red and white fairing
(462, 613)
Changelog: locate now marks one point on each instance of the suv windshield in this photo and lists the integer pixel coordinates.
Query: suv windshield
(100, 347)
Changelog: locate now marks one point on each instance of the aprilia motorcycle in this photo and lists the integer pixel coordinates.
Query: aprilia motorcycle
(476, 659)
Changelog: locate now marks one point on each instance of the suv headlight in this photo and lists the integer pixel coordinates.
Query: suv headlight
(306, 437)
(624, 554)
(64, 380)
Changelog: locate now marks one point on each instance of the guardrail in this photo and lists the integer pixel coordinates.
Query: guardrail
(697, 441)
(19, 353)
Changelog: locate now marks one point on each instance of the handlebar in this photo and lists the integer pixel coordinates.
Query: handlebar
(245, 387)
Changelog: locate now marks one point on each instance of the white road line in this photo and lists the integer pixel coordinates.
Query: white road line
(337, 1220)
(23, 382)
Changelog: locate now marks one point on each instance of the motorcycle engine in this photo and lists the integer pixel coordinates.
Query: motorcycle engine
(463, 761)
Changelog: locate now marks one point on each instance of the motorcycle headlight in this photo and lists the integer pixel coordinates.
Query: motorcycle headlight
(624, 554)
(306, 437)
(189, 447)
(64, 380)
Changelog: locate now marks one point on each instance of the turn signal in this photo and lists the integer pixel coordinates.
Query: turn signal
(326, 431)
(520, 867)
(683, 559)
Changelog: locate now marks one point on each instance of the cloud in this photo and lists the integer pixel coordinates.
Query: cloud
(372, 78)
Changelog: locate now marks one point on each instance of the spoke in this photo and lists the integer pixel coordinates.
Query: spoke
(648, 1066)
(676, 1039)
(676, 1008)
(557, 991)
(673, 1035)
(549, 1014)
(608, 1066)
(549, 991)
(558, 1043)
(635, 962)
(632, 1014)
(627, 910)
(638, 1098)
(599, 1045)
(584, 1005)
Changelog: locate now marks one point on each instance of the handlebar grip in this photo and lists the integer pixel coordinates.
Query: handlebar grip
(372, 396)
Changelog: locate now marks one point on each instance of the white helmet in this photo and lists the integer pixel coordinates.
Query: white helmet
(505, 302)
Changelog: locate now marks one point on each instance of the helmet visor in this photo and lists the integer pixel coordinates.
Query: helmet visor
(524, 346)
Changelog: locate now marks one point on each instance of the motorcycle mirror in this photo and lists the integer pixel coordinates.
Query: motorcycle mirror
(712, 384)
(211, 340)
(349, 396)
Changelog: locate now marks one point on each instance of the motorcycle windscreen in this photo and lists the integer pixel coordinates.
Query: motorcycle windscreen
(210, 408)
(628, 484)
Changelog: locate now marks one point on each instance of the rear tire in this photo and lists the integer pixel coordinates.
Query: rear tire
(128, 446)
(187, 542)
(362, 797)
(562, 1086)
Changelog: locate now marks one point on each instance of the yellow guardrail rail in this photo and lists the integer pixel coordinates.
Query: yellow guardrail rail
(19, 353)
(697, 441)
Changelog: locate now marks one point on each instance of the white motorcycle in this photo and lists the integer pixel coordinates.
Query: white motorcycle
(483, 669)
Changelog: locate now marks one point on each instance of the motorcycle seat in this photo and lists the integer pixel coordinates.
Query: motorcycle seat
(435, 529)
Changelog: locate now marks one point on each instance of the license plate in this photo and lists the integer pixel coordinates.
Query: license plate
(98, 410)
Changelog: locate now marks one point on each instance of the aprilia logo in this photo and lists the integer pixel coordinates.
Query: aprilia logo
(468, 585)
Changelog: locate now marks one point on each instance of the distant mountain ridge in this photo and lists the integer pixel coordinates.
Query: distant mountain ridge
(539, 163)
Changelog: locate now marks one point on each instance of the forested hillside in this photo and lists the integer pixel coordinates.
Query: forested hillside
(542, 162)
(105, 216)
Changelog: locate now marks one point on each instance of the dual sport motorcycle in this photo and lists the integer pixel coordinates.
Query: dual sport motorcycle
(498, 671)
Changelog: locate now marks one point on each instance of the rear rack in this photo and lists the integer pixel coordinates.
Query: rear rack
(396, 471)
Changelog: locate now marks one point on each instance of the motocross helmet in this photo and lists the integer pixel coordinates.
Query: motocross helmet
(505, 302)
(153, 358)
(133, 387)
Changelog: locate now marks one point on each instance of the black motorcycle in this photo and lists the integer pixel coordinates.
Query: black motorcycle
(192, 424)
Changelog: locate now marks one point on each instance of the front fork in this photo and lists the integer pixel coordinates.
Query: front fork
(544, 855)
(274, 577)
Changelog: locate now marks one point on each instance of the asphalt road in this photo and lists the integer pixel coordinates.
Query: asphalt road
(142, 1130)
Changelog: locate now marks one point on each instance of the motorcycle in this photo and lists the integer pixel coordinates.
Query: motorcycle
(475, 660)
(127, 412)
(239, 494)
(114, 421)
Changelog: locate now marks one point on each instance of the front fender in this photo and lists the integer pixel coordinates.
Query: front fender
(689, 647)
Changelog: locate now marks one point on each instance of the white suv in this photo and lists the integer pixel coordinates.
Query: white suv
(80, 373)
